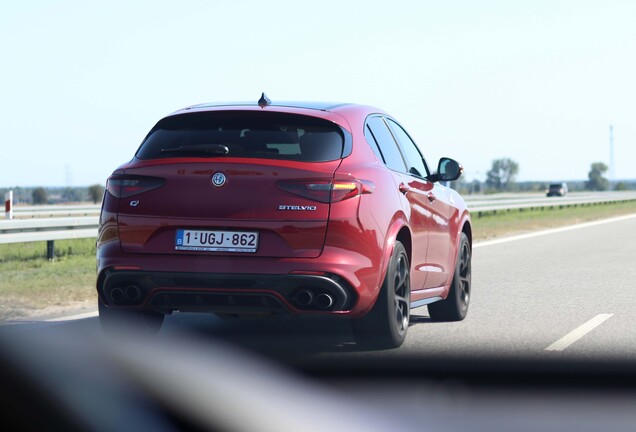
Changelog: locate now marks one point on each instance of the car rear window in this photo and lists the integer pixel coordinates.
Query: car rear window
(244, 134)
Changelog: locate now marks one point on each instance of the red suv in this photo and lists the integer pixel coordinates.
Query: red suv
(276, 208)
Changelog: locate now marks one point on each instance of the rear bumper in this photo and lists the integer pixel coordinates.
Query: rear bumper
(232, 283)
(165, 292)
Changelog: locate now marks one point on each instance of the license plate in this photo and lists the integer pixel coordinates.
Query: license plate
(216, 241)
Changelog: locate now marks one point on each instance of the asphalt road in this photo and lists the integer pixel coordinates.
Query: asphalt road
(531, 292)
(569, 292)
(560, 295)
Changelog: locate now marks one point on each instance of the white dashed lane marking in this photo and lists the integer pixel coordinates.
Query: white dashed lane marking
(578, 333)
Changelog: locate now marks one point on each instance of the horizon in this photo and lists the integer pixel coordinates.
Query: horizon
(62, 187)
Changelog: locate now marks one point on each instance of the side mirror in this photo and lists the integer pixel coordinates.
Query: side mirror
(447, 170)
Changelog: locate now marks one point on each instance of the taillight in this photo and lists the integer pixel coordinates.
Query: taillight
(122, 185)
(327, 191)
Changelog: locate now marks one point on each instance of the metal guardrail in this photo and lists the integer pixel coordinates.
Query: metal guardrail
(24, 212)
(47, 229)
(482, 207)
(50, 229)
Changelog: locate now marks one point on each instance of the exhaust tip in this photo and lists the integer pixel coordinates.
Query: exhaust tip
(117, 295)
(133, 293)
(324, 301)
(304, 298)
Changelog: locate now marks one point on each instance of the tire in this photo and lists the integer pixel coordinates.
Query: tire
(385, 327)
(117, 322)
(455, 306)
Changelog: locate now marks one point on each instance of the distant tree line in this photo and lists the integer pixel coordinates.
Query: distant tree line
(502, 178)
(502, 175)
(55, 195)
(596, 181)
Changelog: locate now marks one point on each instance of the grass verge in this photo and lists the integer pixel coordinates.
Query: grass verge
(505, 223)
(30, 285)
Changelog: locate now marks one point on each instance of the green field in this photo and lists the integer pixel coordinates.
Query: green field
(505, 223)
(31, 285)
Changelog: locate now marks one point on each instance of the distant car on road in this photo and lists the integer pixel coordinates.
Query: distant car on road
(557, 189)
(303, 208)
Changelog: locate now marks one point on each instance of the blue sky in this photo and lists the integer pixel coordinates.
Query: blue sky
(536, 81)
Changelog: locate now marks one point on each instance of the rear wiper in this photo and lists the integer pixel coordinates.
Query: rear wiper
(218, 149)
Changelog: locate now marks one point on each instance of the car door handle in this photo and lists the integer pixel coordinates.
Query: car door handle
(404, 188)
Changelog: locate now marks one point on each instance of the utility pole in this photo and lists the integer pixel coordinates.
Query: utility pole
(611, 143)
(69, 176)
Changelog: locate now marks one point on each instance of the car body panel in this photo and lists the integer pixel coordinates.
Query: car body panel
(248, 201)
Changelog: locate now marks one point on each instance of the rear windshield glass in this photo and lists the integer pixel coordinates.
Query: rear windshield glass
(244, 134)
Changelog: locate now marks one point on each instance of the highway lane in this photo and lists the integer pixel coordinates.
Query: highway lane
(528, 293)
(534, 197)
(531, 292)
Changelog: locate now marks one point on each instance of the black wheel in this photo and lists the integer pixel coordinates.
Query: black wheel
(125, 321)
(388, 322)
(455, 306)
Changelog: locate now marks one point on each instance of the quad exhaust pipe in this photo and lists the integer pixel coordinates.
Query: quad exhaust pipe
(306, 299)
(128, 294)
(324, 301)
(117, 295)
(133, 293)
